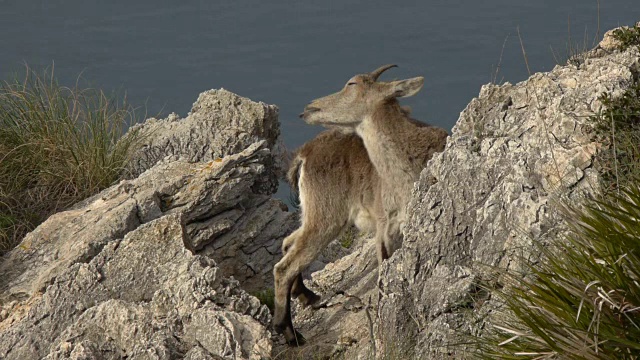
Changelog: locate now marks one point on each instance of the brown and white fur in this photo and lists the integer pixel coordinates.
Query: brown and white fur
(398, 146)
(338, 186)
(334, 187)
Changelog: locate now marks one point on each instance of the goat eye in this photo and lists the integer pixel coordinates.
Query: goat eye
(351, 83)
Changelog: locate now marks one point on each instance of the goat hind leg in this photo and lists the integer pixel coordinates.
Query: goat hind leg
(283, 282)
(393, 236)
(298, 289)
(380, 239)
(285, 274)
(300, 255)
(306, 296)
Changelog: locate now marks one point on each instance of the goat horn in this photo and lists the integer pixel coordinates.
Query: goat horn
(375, 74)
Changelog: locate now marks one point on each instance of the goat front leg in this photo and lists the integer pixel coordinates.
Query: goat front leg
(284, 277)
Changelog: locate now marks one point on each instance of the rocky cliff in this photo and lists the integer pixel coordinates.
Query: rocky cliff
(159, 265)
(514, 152)
(152, 267)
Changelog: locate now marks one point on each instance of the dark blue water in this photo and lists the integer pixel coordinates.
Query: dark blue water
(164, 53)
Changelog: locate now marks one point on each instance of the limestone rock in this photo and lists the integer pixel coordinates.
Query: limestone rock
(136, 298)
(609, 42)
(220, 123)
(157, 266)
(202, 192)
(514, 151)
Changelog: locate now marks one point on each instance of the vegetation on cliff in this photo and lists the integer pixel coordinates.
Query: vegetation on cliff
(618, 129)
(582, 300)
(58, 145)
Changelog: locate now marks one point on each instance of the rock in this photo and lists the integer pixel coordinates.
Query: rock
(220, 123)
(515, 150)
(609, 42)
(157, 266)
(201, 192)
(228, 334)
(136, 298)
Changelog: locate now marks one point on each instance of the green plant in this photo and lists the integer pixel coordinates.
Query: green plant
(266, 297)
(348, 237)
(628, 36)
(583, 300)
(617, 127)
(58, 145)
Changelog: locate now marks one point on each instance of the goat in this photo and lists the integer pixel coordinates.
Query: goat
(398, 146)
(338, 186)
(367, 182)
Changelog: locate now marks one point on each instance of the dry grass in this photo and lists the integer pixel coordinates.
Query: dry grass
(58, 145)
(582, 301)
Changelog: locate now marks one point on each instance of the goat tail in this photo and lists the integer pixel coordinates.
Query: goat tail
(293, 175)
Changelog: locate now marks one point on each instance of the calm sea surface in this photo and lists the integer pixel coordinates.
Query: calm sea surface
(164, 53)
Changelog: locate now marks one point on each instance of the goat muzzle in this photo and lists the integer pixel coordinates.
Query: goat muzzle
(308, 110)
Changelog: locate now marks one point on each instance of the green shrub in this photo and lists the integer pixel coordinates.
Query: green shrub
(583, 300)
(628, 36)
(348, 237)
(618, 129)
(58, 145)
(267, 297)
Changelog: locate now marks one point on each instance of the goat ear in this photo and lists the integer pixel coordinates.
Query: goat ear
(405, 88)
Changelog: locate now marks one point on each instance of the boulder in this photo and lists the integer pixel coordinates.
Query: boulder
(158, 266)
(515, 152)
(220, 123)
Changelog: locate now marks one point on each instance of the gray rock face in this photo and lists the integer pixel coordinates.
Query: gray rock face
(156, 267)
(220, 123)
(137, 298)
(514, 151)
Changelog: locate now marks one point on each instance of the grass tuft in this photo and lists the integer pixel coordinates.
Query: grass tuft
(267, 297)
(58, 145)
(583, 300)
(348, 237)
(617, 127)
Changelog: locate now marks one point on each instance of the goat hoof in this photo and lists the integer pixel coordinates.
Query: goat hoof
(291, 335)
(294, 338)
(309, 299)
(279, 328)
